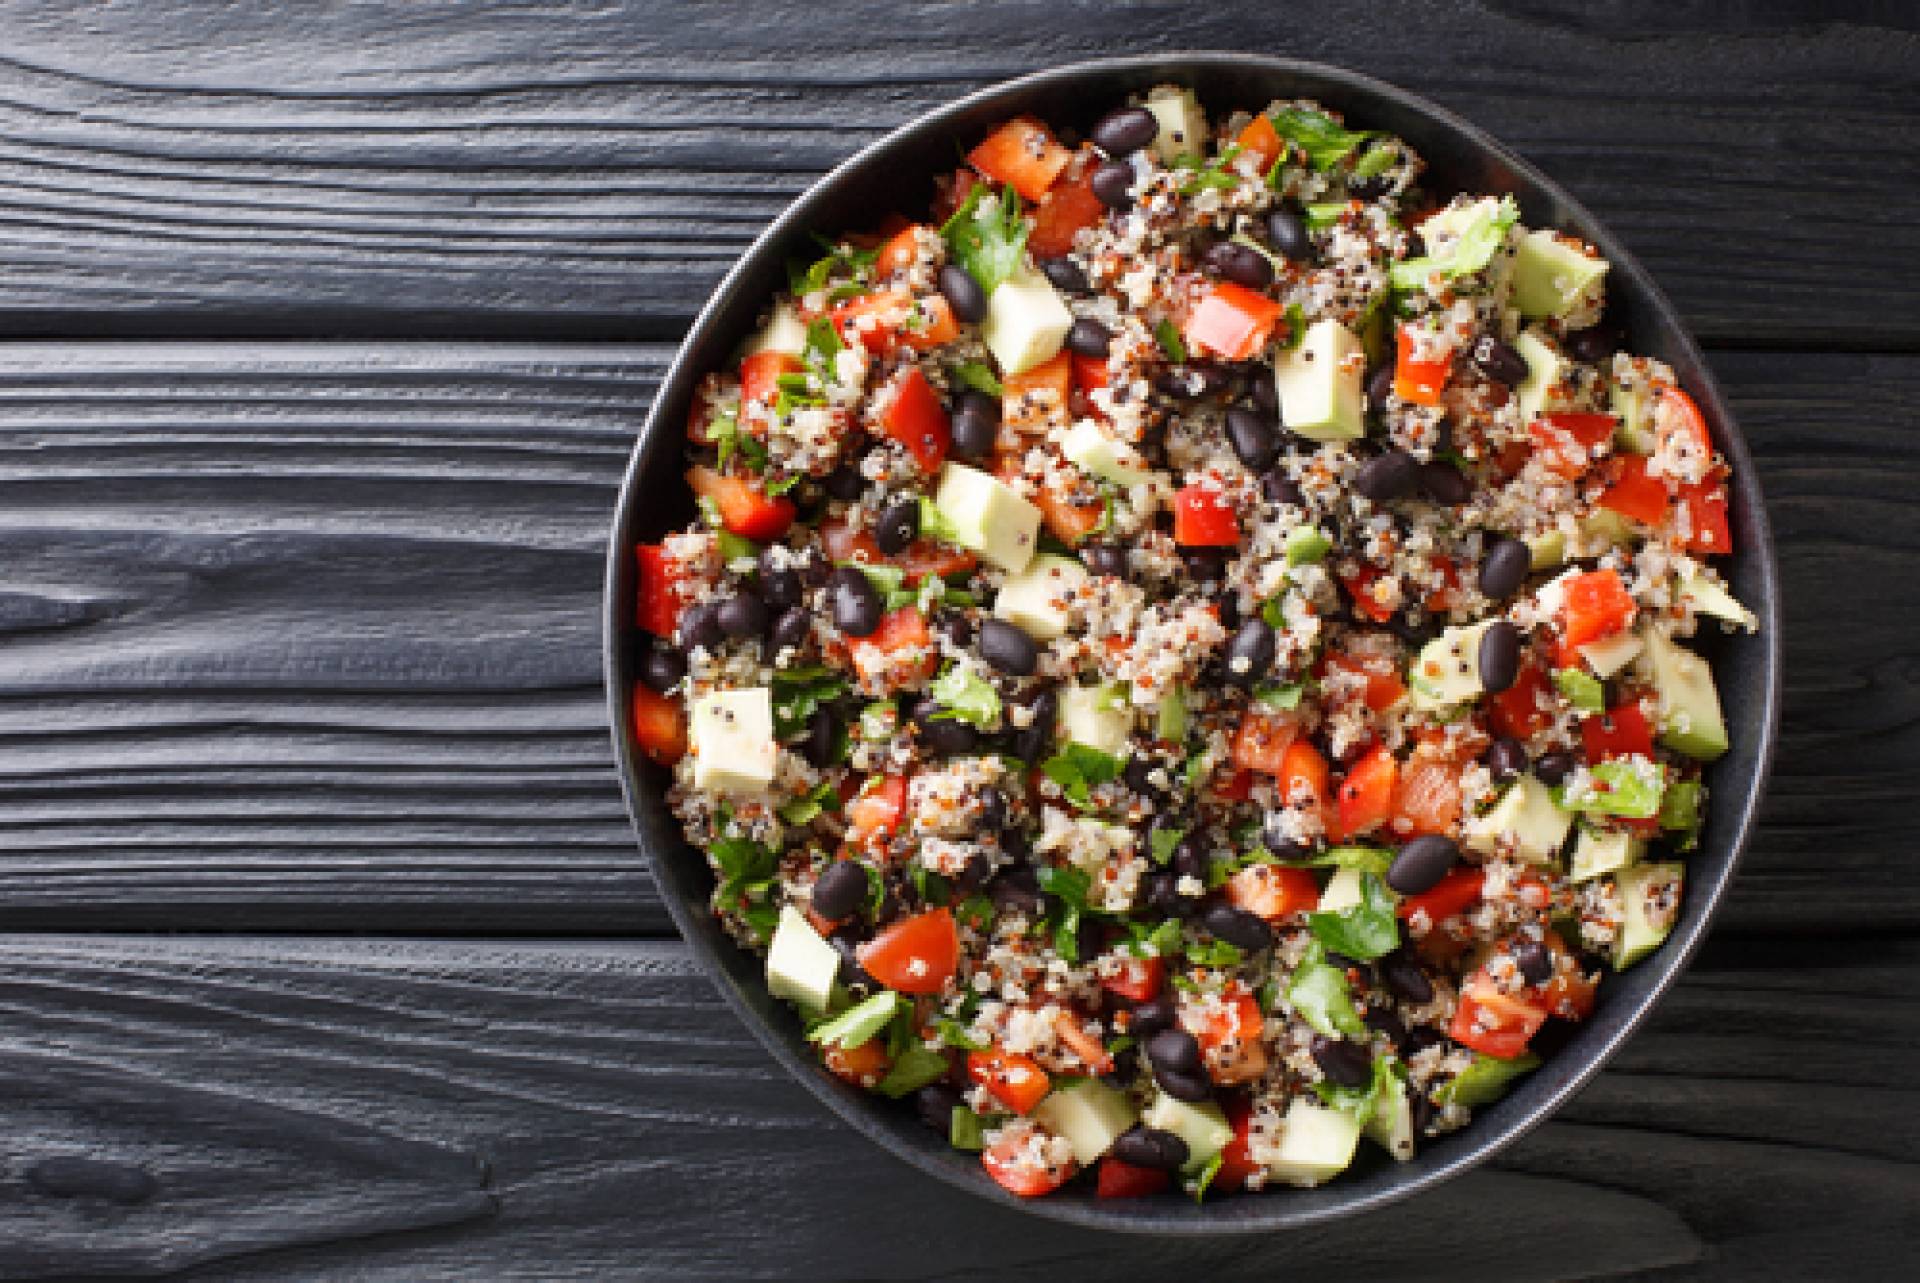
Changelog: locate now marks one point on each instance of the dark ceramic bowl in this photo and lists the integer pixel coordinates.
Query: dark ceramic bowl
(896, 174)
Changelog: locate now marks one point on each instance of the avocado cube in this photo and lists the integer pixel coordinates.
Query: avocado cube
(1446, 672)
(1320, 384)
(1547, 549)
(1033, 600)
(1203, 1126)
(1344, 890)
(1632, 404)
(783, 332)
(801, 967)
(1708, 597)
(1690, 719)
(1026, 323)
(1307, 545)
(1526, 816)
(1089, 1114)
(1597, 852)
(1611, 654)
(1317, 1144)
(988, 516)
(1650, 904)
(1097, 716)
(1100, 455)
(1553, 275)
(1391, 1126)
(731, 738)
(1183, 126)
(1546, 367)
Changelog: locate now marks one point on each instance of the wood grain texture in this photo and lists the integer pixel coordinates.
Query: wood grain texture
(590, 167)
(540, 1110)
(305, 637)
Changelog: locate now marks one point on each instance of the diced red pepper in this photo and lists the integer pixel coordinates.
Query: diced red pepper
(1202, 518)
(1426, 796)
(1229, 1037)
(1416, 380)
(1596, 605)
(1068, 206)
(659, 725)
(1237, 786)
(1273, 891)
(1304, 776)
(659, 594)
(1621, 731)
(1260, 741)
(877, 810)
(1633, 493)
(1008, 1163)
(1037, 400)
(1117, 1179)
(901, 249)
(1261, 141)
(1232, 322)
(1568, 439)
(1518, 710)
(1452, 894)
(1138, 979)
(904, 628)
(1021, 153)
(760, 375)
(1236, 1160)
(1015, 1080)
(915, 955)
(918, 421)
(1359, 585)
(1069, 522)
(885, 319)
(1706, 507)
(1364, 800)
(745, 509)
(1384, 688)
(1493, 1022)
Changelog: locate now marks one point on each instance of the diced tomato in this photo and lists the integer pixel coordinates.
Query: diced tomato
(1571, 993)
(1414, 379)
(1452, 894)
(1007, 1162)
(1138, 979)
(1523, 709)
(1304, 775)
(1232, 322)
(1359, 586)
(1074, 1037)
(1495, 1023)
(745, 509)
(1069, 206)
(1229, 1037)
(659, 725)
(914, 955)
(885, 319)
(1634, 494)
(1706, 506)
(1117, 1179)
(1090, 372)
(1439, 601)
(1202, 518)
(1568, 439)
(863, 1066)
(1013, 1079)
(876, 810)
(1597, 605)
(1022, 154)
(1512, 457)
(1260, 742)
(1364, 800)
(1069, 522)
(877, 655)
(658, 599)
(760, 374)
(1236, 786)
(1384, 688)
(1236, 1161)
(1426, 797)
(918, 421)
(1273, 891)
(1677, 412)
(1037, 400)
(1261, 141)
(1622, 731)
(900, 250)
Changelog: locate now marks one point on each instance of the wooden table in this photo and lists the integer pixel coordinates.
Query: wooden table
(330, 328)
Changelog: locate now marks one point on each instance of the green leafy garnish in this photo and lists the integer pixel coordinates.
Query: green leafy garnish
(804, 809)
(1362, 1102)
(1281, 696)
(1486, 1079)
(975, 911)
(978, 376)
(1071, 886)
(1325, 142)
(1296, 326)
(1162, 843)
(1583, 690)
(822, 345)
(966, 1131)
(1623, 787)
(1472, 249)
(858, 1024)
(1368, 859)
(914, 1069)
(988, 245)
(798, 692)
(1214, 953)
(746, 867)
(1365, 930)
(840, 260)
(1079, 769)
(934, 524)
(966, 695)
(1167, 334)
(879, 720)
(1163, 940)
(1320, 995)
(1217, 173)
(1375, 160)
(954, 1034)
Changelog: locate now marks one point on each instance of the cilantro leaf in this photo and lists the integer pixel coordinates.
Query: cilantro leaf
(977, 375)
(1325, 142)
(797, 692)
(1362, 1102)
(1079, 769)
(1477, 239)
(988, 244)
(1582, 690)
(1163, 842)
(1214, 953)
(967, 695)
(1276, 695)
(805, 808)
(1365, 930)
(1167, 334)
(840, 260)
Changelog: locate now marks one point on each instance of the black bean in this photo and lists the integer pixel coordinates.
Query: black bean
(1445, 484)
(1277, 487)
(973, 874)
(1553, 767)
(1145, 1146)
(993, 809)
(662, 667)
(1504, 567)
(1593, 345)
(1346, 1064)
(1125, 131)
(1138, 774)
(1421, 1111)
(1203, 565)
(1229, 607)
(846, 943)
(700, 626)
(1255, 437)
(1287, 233)
(1250, 653)
(1087, 337)
(964, 295)
(1405, 978)
(1159, 892)
(1421, 863)
(935, 1104)
(743, 615)
(1191, 382)
(1008, 648)
(1499, 361)
(1368, 186)
(1237, 927)
(1533, 961)
(1499, 657)
(1190, 859)
(1193, 1087)
(1174, 1048)
(1506, 758)
(790, 629)
(1112, 182)
(1065, 275)
(899, 525)
(841, 890)
(821, 747)
(948, 737)
(1421, 1037)
(975, 424)
(1379, 387)
(1015, 890)
(780, 586)
(845, 483)
(856, 605)
(1105, 559)
(1241, 264)
(1265, 395)
(1387, 475)
(1151, 1016)
(1382, 1020)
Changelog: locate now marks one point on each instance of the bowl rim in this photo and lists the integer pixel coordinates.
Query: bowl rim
(1491, 1132)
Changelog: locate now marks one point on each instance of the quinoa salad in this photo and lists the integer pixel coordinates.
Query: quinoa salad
(1187, 663)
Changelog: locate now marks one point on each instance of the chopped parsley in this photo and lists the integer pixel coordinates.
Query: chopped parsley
(967, 696)
(1079, 769)
(1365, 930)
(1472, 249)
(1167, 334)
(987, 243)
(1320, 995)
(978, 376)
(1325, 142)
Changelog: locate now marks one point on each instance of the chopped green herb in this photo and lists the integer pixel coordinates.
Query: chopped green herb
(1377, 159)
(1583, 690)
(1207, 1173)
(1319, 994)
(1079, 769)
(804, 809)
(1296, 326)
(968, 696)
(914, 1069)
(1472, 249)
(1275, 695)
(954, 1034)
(966, 1131)
(988, 245)
(975, 911)
(797, 692)
(934, 523)
(1325, 142)
(1168, 335)
(1164, 842)
(840, 260)
(1214, 953)
(1365, 930)
(1361, 1102)
(978, 376)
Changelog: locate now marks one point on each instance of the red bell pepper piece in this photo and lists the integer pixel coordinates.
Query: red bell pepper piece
(1596, 605)
(1202, 518)
(1416, 380)
(1622, 731)
(1452, 894)
(918, 421)
(1022, 154)
(659, 725)
(1634, 494)
(659, 595)
(915, 955)
(1117, 1179)
(1232, 322)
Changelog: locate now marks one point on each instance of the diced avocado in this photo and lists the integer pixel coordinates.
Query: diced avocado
(731, 737)
(1527, 815)
(784, 332)
(1201, 1125)
(1029, 600)
(1690, 720)
(1102, 456)
(1650, 903)
(1546, 367)
(1171, 723)
(1553, 276)
(1026, 323)
(1089, 1114)
(1183, 126)
(1604, 528)
(1345, 890)
(1446, 672)
(1096, 717)
(1306, 545)
(1632, 405)
(1320, 384)
(1596, 852)
(1317, 1144)
(1708, 597)
(1611, 654)
(988, 516)
(800, 965)
(1391, 1126)
(1548, 549)
(1486, 1079)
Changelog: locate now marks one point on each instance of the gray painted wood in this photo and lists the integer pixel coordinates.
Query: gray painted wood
(591, 168)
(405, 1110)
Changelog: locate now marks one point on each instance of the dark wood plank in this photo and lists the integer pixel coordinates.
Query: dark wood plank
(592, 1110)
(475, 169)
(305, 637)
